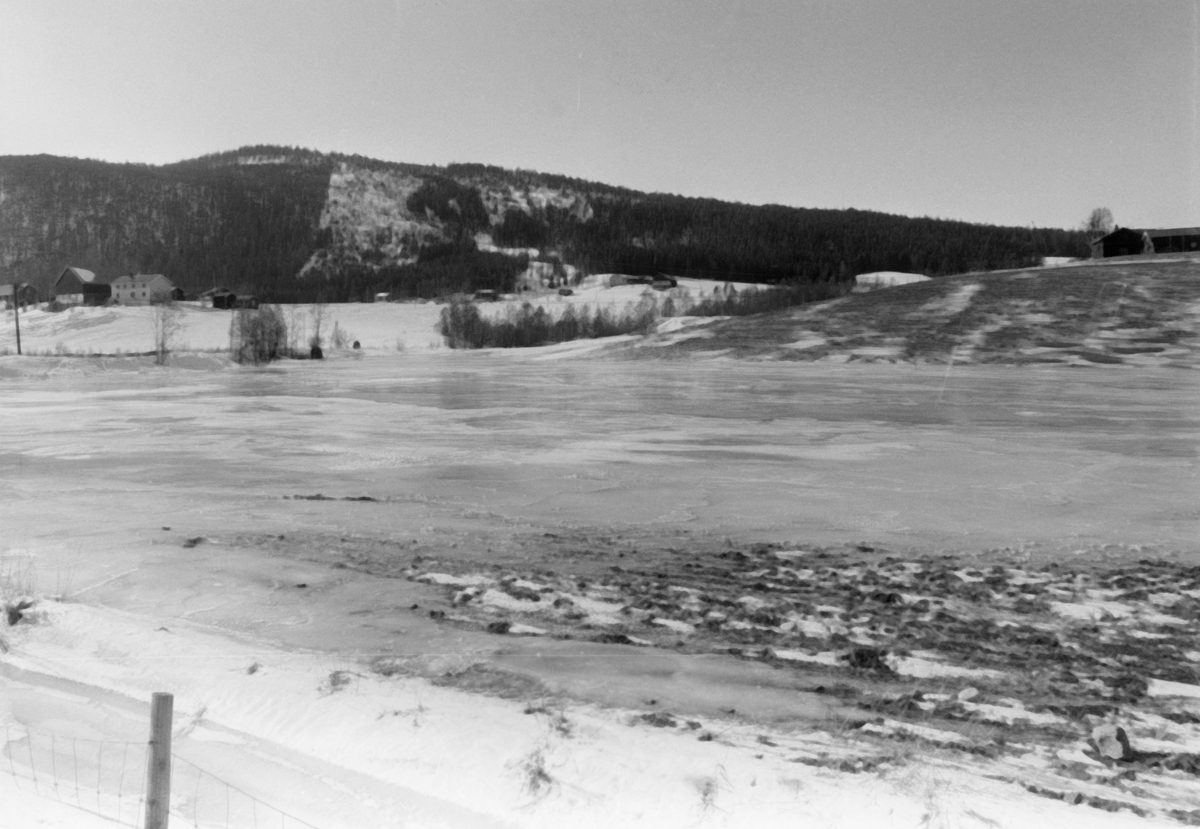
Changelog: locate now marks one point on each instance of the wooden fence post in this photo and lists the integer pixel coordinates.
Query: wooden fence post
(158, 764)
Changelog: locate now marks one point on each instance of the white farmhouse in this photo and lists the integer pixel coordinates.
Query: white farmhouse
(141, 289)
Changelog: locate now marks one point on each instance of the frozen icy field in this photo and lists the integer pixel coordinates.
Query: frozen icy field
(466, 453)
(479, 444)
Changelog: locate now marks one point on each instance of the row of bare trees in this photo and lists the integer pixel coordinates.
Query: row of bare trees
(256, 336)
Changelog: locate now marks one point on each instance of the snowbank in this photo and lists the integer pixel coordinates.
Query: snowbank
(887, 279)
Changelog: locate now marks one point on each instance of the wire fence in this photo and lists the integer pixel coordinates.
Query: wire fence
(107, 778)
(208, 802)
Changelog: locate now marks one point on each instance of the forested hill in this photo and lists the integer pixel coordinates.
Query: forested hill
(246, 226)
(297, 225)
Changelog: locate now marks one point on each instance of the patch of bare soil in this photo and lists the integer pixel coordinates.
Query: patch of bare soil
(1143, 311)
(1079, 682)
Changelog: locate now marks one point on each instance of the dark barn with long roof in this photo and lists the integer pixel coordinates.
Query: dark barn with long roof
(1121, 242)
(1173, 240)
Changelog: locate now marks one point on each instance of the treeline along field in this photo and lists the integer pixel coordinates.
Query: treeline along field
(524, 326)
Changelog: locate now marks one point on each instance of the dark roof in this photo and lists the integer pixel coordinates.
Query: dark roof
(1174, 231)
(82, 275)
(1118, 232)
(138, 277)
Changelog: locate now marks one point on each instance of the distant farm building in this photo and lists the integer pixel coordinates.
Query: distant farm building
(886, 279)
(618, 279)
(1121, 242)
(26, 295)
(1125, 241)
(76, 286)
(540, 275)
(245, 301)
(1171, 240)
(142, 289)
(383, 296)
(218, 298)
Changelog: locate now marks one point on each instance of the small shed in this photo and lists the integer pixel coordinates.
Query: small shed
(1172, 240)
(26, 295)
(78, 286)
(220, 297)
(383, 296)
(1121, 242)
(244, 301)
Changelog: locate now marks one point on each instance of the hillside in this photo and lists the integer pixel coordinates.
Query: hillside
(1137, 311)
(297, 225)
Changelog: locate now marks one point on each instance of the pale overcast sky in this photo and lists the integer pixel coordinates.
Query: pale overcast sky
(1011, 112)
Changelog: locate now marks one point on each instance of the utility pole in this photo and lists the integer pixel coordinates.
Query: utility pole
(17, 313)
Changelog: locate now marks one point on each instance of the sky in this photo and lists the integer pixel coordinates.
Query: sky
(1018, 112)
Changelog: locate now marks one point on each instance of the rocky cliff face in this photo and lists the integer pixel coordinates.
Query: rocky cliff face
(368, 220)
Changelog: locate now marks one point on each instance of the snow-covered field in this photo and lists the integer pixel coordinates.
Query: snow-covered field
(173, 512)
(378, 327)
(130, 330)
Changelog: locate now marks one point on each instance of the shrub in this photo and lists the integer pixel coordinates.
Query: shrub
(258, 335)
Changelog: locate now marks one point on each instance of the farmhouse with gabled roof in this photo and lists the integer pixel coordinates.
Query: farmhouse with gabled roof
(142, 289)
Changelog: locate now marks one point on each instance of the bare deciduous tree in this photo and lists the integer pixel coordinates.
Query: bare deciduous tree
(1099, 223)
(166, 318)
(319, 311)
